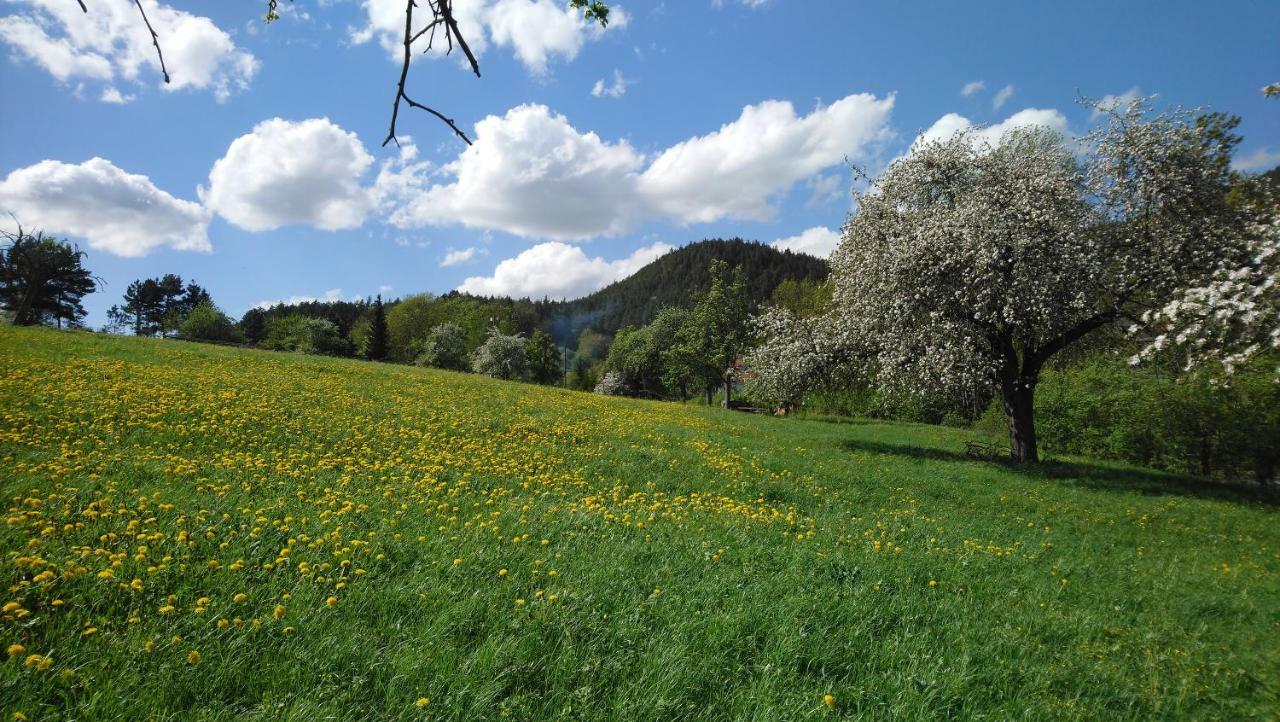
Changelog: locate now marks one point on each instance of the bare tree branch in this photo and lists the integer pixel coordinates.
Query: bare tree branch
(443, 14)
(155, 39)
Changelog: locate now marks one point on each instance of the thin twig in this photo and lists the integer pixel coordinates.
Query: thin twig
(443, 14)
(155, 39)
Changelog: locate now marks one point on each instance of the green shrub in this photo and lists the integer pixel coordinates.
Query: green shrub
(206, 323)
(1103, 407)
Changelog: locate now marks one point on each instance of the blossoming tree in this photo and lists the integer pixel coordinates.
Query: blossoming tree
(971, 263)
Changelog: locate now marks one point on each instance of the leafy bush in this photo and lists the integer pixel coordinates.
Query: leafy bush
(1105, 408)
(445, 347)
(206, 323)
(296, 332)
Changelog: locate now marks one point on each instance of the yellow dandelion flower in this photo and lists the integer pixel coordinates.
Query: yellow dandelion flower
(149, 647)
(829, 700)
(240, 598)
(15, 650)
(519, 602)
(331, 602)
(422, 702)
(279, 612)
(193, 657)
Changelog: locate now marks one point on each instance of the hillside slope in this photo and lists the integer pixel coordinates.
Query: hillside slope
(679, 277)
(206, 532)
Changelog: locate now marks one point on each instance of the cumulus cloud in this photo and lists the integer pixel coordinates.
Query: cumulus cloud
(457, 257)
(1002, 96)
(976, 86)
(558, 271)
(286, 172)
(819, 241)
(740, 169)
(952, 123)
(532, 174)
(536, 31)
(615, 89)
(110, 43)
(114, 211)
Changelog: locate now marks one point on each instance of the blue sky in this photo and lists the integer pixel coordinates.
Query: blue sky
(260, 173)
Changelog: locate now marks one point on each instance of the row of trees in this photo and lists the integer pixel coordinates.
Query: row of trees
(684, 349)
(157, 306)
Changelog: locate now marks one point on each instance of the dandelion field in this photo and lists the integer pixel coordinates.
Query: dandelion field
(196, 532)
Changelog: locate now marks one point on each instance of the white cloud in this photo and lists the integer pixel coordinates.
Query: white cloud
(825, 189)
(537, 31)
(532, 174)
(740, 169)
(819, 241)
(529, 173)
(1111, 103)
(110, 43)
(114, 211)
(112, 95)
(457, 257)
(285, 172)
(1001, 96)
(616, 89)
(333, 294)
(558, 270)
(976, 86)
(952, 123)
(1261, 159)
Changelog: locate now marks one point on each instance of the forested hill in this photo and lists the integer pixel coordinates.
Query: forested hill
(677, 278)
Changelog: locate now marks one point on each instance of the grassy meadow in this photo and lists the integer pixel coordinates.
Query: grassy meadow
(196, 532)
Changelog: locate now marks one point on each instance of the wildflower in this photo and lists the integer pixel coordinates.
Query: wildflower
(829, 700)
(331, 602)
(15, 650)
(288, 630)
(502, 572)
(279, 612)
(240, 598)
(456, 562)
(422, 702)
(149, 647)
(193, 657)
(519, 602)
(88, 631)
(933, 582)
(167, 609)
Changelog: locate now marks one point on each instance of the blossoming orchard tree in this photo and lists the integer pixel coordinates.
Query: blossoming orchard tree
(970, 264)
(1230, 319)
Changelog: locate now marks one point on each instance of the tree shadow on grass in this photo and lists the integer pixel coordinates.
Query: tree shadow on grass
(1102, 477)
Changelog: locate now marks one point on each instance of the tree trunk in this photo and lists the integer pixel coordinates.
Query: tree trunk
(1019, 406)
(710, 396)
(728, 393)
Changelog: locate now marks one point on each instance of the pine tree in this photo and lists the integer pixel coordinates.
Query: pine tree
(377, 349)
(42, 279)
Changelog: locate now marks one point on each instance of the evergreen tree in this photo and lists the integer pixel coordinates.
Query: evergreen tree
(377, 350)
(42, 280)
(544, 359)
(253, 324)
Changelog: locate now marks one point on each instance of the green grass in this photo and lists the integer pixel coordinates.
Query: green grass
(708, 565)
